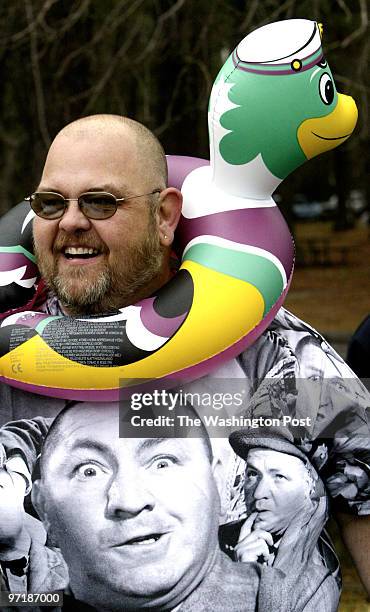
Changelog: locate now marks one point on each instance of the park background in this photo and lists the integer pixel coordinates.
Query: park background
(155, 61)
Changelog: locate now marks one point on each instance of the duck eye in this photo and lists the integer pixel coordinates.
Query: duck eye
(326, 89)
(322, 63)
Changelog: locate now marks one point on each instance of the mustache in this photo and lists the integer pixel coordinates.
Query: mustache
(84, 240)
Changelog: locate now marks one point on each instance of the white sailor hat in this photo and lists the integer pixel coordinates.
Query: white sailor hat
(280, 48)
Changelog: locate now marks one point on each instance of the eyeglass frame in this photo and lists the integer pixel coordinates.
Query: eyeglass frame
(65, 200)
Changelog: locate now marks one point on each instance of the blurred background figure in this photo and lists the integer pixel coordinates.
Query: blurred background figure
(358, 355)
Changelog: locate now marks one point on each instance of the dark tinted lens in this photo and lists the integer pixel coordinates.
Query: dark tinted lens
(98, 205)
(48, 205)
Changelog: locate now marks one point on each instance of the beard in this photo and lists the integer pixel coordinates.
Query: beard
(130, 275)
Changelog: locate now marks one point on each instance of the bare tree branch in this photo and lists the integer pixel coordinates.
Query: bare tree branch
(72, 18)
(10, 139)
(199, 103)
(160, 22)
(112, 22)
(98, 88)
(361, 29)
(40, 102)
(345, 9)
(32, 25)
(290, 10)
(246, 23)
(352, 84)
(284, 7)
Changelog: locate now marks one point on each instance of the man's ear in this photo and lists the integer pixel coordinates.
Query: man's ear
(169, 212)
(38, 498)
(220, 479)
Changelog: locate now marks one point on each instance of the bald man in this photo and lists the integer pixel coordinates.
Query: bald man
(96, 258)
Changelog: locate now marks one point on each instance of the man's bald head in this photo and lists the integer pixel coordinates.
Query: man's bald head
(130, 257)
(148, 148)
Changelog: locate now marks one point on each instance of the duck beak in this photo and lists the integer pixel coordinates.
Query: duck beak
(321, 134)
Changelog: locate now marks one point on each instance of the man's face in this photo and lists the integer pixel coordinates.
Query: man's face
(126, 255)
(136, 519)
(277, 487)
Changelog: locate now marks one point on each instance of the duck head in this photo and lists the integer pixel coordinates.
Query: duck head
(274, 105)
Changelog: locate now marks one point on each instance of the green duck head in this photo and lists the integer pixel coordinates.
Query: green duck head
(274, 105)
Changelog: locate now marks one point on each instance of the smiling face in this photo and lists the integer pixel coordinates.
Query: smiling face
(140, 514)
(277, 487)
(122, 258)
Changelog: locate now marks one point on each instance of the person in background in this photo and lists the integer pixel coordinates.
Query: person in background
(358, 355)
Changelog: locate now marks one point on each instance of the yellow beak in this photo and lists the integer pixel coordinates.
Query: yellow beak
(321, 134)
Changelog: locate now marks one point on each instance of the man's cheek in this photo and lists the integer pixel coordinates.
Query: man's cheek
(40, 235)
(249, 495)
(77, 510)
(64, 527)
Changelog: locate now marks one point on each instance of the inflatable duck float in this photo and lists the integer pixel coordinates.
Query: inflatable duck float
(273, 106)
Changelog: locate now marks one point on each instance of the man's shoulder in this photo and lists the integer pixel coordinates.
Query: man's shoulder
(274, 350)
(228, 586)
(245, 574)
(290, 344)
(47, 569)
(285, 319)
(287, 325)
(238, 587)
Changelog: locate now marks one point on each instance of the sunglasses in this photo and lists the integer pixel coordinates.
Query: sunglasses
(93, 204)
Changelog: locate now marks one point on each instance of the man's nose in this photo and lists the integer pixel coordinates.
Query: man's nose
(262, 489)
(73, 218)
(128, 495)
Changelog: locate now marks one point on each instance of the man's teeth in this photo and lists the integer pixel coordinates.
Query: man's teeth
(149, 540)
(80, 251)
